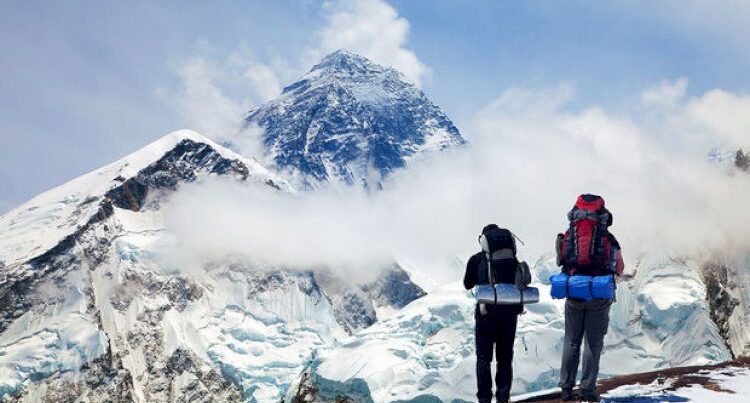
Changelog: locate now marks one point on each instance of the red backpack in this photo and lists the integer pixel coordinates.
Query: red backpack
(586, 247)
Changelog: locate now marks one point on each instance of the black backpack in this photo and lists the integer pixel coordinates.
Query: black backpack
(500, 262)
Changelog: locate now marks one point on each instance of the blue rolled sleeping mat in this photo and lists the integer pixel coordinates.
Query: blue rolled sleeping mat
(603, 287)
(582, 287)
(559, 285)
(505, 294)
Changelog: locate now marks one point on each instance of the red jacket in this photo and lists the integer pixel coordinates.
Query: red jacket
(620, 264)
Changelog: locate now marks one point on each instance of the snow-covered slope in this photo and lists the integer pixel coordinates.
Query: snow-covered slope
(51, 321)
(42, 222)
(351, 120)
(92, 311)
(726, 384)
(425, 352)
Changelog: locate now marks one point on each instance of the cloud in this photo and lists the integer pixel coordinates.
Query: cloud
(531, 155)
(373, 29)
(202, 104)
(722, 114)
(215, 93)
(274, 230)
(264, 81)
(665, 94)
(660, 185)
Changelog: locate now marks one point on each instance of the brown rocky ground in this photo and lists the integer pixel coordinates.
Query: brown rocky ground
(681, 377)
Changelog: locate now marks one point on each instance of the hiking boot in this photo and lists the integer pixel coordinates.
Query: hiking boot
(589, 396)
(567, 395)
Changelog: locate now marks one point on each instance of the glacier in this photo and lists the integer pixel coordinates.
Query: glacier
(425, 352)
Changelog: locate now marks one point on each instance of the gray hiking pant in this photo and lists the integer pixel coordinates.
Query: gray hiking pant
(583, 319)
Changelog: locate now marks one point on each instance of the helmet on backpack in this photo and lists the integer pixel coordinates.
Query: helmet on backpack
(586, 247)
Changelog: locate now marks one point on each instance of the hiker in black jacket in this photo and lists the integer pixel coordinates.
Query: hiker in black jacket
(495, 324)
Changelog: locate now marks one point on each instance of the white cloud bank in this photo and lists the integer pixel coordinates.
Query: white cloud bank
(530, 156)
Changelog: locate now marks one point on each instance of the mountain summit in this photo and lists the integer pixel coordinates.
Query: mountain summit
(351, 120)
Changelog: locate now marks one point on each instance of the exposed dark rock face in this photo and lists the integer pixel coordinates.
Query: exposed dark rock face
(305, 391)
(355, 304)
(182, 164)
(308, 390)
(263, 281)
(721, 302)
(93, 240)
(394, 288)
(353, 310)
(102, 380)
(742, 161)
(179, 290)
(201, 383)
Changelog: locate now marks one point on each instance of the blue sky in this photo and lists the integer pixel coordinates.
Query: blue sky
(84, 83)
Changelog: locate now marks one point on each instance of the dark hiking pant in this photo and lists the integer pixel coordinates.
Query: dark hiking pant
(496, 330)
(587, 320)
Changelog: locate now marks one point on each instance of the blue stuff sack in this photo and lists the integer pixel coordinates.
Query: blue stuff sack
(559, 283)
(603, 287)
(580, 287)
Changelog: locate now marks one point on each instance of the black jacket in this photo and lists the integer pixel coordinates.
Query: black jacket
(504, 272)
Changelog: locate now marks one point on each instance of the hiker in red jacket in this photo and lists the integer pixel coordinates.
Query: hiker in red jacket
(587, 249)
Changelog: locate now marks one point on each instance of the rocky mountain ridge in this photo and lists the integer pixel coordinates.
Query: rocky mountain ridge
(350, 120)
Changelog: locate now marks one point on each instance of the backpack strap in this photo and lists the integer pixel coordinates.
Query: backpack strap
(490, 278)
(490, 275)
(571, 247)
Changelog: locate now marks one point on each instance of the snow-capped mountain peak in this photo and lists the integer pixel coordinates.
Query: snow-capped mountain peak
(351, 120)
(342, 64)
